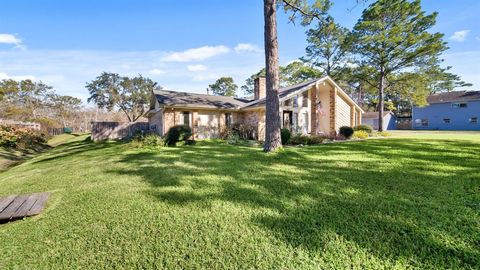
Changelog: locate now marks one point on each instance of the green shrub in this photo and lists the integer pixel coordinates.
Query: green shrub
(365, 128)
(346, 131)
(316, 139)
(140, 140)
(177, 134)
(244, 130)
(300, 139)
(11, 137)
(360, 134)
(285, 135)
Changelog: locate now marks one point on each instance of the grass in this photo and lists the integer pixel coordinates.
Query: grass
(10, 156)
(399, 202)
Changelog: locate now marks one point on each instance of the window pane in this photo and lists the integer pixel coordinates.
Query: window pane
(186, 118)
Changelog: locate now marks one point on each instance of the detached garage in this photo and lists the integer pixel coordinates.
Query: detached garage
(371, 119)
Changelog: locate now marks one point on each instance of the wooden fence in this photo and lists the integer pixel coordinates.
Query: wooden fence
(117, 130)
(13, 123)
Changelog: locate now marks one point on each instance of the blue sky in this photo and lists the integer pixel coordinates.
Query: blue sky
(183, 45)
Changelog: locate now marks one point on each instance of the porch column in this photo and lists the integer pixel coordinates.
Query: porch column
(352, 115)
(194, 124)
(333, 96)
(313, 110)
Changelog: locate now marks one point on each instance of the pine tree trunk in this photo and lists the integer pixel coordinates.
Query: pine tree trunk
(380, 100)
(272, 117)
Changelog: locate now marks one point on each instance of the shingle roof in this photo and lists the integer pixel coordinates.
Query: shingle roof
(453, 96)
(283, 92)
(374, 114)
(184, 99)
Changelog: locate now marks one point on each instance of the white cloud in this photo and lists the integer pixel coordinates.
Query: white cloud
(247, 48)
(196, 54)
(196, 68)
(5, 76)
(477, 38)
(460, 36)
(10, 39)
(156, 71)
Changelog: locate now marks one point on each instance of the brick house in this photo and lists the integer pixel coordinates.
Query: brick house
(317, 106)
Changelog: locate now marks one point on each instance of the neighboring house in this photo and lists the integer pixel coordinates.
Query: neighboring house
(371, 119)
(456, 110)
(318, 106)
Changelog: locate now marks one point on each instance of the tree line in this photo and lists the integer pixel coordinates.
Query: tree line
(390, 59)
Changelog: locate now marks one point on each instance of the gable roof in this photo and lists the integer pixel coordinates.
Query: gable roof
(283, 92)
(374, 115)
(184, 99)
(453, 96)
(194, 100)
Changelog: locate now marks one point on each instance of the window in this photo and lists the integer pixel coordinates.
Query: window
(446, 120)
(186, 118)
(305, 99)
(228, 119)
(305, 123)
(421, 122)
(287, 102)
(459, 105)
(473, 120)
(295, 101)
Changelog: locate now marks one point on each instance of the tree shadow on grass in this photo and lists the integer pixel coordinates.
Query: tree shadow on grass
(378, 195)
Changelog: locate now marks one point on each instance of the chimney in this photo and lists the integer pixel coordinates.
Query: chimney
(259, 87)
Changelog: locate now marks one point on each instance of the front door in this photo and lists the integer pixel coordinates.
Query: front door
(287, 120)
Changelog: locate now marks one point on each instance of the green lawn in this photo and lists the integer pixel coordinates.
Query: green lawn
(400, 202)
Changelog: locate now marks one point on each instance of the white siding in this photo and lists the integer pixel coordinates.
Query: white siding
(342, 113)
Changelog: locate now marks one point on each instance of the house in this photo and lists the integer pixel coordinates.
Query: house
(456, 110)
(371, 119)
(317, 106)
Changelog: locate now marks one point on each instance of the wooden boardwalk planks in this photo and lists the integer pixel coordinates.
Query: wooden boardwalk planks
(18, 206)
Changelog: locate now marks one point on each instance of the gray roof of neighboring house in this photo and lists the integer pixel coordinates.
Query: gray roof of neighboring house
(374, 115)
(184, 99)
(453, 96)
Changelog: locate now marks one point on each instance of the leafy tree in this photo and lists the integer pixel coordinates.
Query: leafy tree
(328, 48)
(307, 12)
(224, 86)
(392, 36)
(298, 72)
(25, 98)
(65, 106)
(248, 87)
(129, 95)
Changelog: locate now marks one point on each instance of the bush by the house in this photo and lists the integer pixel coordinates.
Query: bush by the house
(346, 131)
(147, 141)
(177, 134)
(285, 135)
(360, 134)
(11, 137)
(244, 130)
(365, 128)
(300, 139)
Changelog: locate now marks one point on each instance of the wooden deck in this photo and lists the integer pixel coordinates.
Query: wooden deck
(17, 206)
